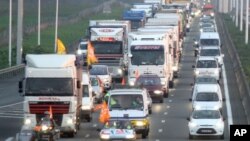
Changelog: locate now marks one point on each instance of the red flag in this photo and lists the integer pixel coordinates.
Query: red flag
(50, 112)
(123, 81)
(137, 74)
(91, 58)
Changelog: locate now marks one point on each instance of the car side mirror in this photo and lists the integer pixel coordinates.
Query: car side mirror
(190, 99)
(191, 84)
(20, 86)
(188, 118)
(222, 55)
(130, 55)
(193, 66)
(89, 67)
(221, 45)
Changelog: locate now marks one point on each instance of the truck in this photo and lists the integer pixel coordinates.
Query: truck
(109, 39)
(136, 18)
(149, 54)
(174, 43)
(52, 82)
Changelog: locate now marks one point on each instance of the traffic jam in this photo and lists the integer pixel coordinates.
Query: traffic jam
(121, 70)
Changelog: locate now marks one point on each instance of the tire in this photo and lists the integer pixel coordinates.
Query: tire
(171, 84)
(222, 136)
(71, 134)
(191, 136)
(145, 134)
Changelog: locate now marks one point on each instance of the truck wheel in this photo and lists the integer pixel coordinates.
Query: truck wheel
(171, 84)
(71, 134)
(144, 134)
(166, 93)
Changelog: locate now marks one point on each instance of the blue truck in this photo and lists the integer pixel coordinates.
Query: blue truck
(137, 18)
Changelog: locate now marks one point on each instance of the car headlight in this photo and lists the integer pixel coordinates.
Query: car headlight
(201, 30)
(27, 121)
(196, 42)
(212, 14)
(131, 83)
(158, 92)
(192, 124)
(45, 127)
(79, 52)
(197, 72)
(163, 83)
(105, 136)
(70, 121)
(86, 107)
(220, 124)
(130, 136)
(188, 26)
(119, 71)
(175, 68)
(197, 107)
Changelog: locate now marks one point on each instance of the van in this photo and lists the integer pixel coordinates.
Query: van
(131, 104)
(87, 97)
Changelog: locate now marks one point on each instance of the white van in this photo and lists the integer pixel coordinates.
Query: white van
(87, 97)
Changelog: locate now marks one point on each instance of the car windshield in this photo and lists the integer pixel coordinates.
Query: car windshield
(206, 80)
(126, 102)
(209, 52)
(99, 71)
(207, 25)
(209, 42)
(83, 46)
(94, 81)
(148, 81)
(206, 114)
(207, 97)
(119, 124)
(206, 64)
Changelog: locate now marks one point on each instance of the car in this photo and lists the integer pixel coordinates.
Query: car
(152, 83)
(131, 103)
(206, 122)
(102, 72)
(118, 130)
(207, 95)
(207, 66)
(208, 29)
(212, 51)
(82, 47)
(97, 88)
(201, 80)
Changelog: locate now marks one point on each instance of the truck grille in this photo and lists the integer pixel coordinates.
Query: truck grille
(41, 107)
(57, 118)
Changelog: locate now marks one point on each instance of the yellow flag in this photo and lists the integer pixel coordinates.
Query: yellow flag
(91, 58)
(60, 47)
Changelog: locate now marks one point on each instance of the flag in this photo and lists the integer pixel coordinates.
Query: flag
(104, 114)
(137, 74)
(123, 81)
(91, 58)
(50, 112)
(60, 47)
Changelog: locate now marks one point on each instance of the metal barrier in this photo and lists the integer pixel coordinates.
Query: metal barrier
(243, 84)
(11, 71)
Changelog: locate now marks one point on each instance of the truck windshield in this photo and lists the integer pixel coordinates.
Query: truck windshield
(83, 46)
(49, 87)
(135, 24)
(125, 102)
(147, 55)
(107, 47)
(206, 64)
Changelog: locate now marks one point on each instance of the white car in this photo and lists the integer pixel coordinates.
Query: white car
(206, 122)
(207, 95)
(212, 51)
(102, 72)
(207, 66)
(97, 88)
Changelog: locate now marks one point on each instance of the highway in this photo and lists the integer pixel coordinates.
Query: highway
(168, 120)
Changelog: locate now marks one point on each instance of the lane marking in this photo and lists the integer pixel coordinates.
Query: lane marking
(160, 130)
(172, 95)
(157, 140)
(10, 139)
(228, 104)
(87, 135)
(11, 117)
(94, 125)
(170, 100)
(11, 105)
(167, 106)
(163, 121)
(165, 113)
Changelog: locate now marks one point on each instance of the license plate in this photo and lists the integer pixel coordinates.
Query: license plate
(206, 131)
(45, 136)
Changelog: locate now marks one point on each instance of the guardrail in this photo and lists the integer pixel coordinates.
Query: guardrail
(11, 71)
(243, 84)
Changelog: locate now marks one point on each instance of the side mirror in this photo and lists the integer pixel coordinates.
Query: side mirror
(191, 84)
(78, 84)
(223, 99)
(190, 99)
(20, 86)
(130, 55)
(57, 130)
(221, 45)
(193, 66)
(188, 118)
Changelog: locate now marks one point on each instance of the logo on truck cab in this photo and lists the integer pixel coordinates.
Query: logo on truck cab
(106, 30)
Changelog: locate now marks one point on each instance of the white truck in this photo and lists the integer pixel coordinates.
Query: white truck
(149, 54)
(52, 82)
(109, 39)
(176, 44)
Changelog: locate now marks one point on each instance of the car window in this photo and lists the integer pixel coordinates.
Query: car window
(206, 80)
(206, 114)
(207, 97)
(206, 64)
(98, 71)
(209, 52)
(131, 101)
(94, 82)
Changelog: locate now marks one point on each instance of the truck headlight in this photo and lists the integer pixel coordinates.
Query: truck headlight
(119, 71)
(131, 83)
(27, 121)
(79, 52)
(197, 72)
(158, 92)
(70, 121)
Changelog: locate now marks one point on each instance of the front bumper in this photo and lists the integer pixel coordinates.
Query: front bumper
(202, 131)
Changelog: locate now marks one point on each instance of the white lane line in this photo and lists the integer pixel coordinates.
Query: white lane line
(163, 121)
(167, 106)
(165, 113)
(11, 114)
(170, 100)
(228, 104)
(19, 117)
(87, 135)
(157, 140)
(172, 95)
(11, 105)
(10, 139)
(160, 130)
(94, 125)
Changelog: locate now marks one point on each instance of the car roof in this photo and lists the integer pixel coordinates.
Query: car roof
(210, 47)
(126, 91)
(209, 35)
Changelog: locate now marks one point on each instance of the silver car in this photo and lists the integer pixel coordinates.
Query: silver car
(97, 88)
